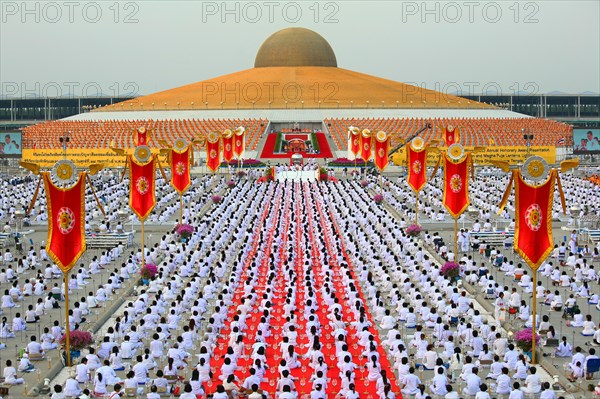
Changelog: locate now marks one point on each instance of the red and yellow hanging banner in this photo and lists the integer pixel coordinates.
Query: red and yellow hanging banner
(354, 137)
(180, 168)
(451, 135)
(456, 184)
(382, 147)
(66, 222)
(142, 198)
(228, 150)
(366, 144)
(417, 166)
(213, 149)
(239, 141)
(141, 136)
(533, 213)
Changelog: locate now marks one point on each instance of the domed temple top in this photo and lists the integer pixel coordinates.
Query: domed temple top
(295, 47)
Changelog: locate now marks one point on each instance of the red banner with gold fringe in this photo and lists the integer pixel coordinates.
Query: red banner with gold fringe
(180, 169)
(228, 150)
(239, 144)
(451, 135)
(417, 162)
(355, 143)
(533, 213)
(213, 156)
(141, 136)
(66, 222)
(381, 153)
(366, 144)
(142, 179)
(456, 185)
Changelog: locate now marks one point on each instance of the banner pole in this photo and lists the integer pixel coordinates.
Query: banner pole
(180, 208)
(417, 208)
(143, 246)
(67, 325)
(534, 313)
(455, 240)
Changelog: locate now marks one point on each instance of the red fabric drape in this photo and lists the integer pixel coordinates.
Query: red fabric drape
(66, 222)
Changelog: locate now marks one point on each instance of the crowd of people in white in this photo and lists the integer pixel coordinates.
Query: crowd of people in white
(291, 289)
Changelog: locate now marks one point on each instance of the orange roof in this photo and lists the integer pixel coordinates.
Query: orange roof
(301, 87)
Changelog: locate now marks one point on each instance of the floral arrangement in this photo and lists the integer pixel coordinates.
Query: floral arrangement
(241, 173)
(450, 270)
(354, 173)
(340, 162)
(378, 198)
(230, 184)
(413, 230)
(216, 199)
(78, 339)
(364, 183)
(523, 339)
(323, 175)
(148, 271)
(184, 230)
(247, 163)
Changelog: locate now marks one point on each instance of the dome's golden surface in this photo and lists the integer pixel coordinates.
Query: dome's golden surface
(295, 47)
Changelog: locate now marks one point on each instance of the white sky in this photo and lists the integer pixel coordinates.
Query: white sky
(62, 47)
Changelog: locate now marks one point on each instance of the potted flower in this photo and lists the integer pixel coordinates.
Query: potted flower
(216, 199)
(147, 272)
(378, 198)
(414, 230)
(241, 173)
(450, 270)
(270, 174)
(364, 183)
(184, 231)
(230, 184)
(524, 339)
(323, 175)
(78, 341)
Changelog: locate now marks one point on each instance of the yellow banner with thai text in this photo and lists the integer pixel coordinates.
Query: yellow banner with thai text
(512, 155)
(83, 157)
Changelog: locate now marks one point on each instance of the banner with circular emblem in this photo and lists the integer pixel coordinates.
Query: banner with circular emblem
(65, 197)
(213, 151)
(180, 160)
(451, 135)
(382, 147)
(366, 144)
(416, 157)
(228, 150)
(456, 180)
(239, 142)
(354, 139)
(142, 179)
